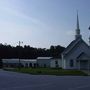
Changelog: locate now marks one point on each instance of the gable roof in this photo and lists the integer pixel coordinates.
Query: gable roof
(72, 45)
(83, 56)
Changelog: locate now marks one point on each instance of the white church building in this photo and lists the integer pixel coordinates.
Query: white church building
(77, 53)
(75, 56)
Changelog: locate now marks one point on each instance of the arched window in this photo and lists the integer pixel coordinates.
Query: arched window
(71, 63)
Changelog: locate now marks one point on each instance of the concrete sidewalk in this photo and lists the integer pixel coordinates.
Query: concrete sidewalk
(87, 72)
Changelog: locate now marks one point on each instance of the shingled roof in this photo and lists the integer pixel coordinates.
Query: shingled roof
(72, 45)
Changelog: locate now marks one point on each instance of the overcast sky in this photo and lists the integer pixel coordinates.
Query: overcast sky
(41, 23)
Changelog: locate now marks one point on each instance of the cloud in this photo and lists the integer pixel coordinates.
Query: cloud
(70, 33)
(23, 16)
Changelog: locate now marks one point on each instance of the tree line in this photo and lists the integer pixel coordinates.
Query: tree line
(28, 52)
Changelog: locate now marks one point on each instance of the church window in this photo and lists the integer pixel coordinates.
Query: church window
(71, 63)
(56, 63)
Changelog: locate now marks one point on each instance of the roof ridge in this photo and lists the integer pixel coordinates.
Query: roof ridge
(71, 45)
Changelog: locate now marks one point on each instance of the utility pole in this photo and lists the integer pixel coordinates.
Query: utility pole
(19, 54)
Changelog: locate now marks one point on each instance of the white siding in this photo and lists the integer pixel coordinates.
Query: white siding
(53, 65)
(22, 61)
(73, 54)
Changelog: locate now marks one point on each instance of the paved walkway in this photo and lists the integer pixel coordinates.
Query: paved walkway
(18, 81)
(87, 72)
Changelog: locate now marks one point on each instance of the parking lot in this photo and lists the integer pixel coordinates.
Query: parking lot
(19, 81)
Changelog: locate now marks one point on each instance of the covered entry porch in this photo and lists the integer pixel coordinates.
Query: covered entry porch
(83, 61)
(83, 64)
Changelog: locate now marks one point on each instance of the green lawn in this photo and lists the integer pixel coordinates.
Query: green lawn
(49, 71)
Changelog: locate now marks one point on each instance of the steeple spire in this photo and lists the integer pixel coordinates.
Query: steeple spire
(77, 21)
(77, 28)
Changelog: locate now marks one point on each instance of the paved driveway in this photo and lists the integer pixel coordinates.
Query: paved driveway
(18, 81)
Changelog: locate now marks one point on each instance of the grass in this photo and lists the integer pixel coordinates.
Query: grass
(49, 71)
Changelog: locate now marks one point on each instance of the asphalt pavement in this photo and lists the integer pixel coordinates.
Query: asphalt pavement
(19, 81)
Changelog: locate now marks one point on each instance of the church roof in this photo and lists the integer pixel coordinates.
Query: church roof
(83, 56)
(78, 39)
(72, 45)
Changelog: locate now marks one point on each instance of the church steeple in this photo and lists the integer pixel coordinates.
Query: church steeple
(77, 21)
(78, 35)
